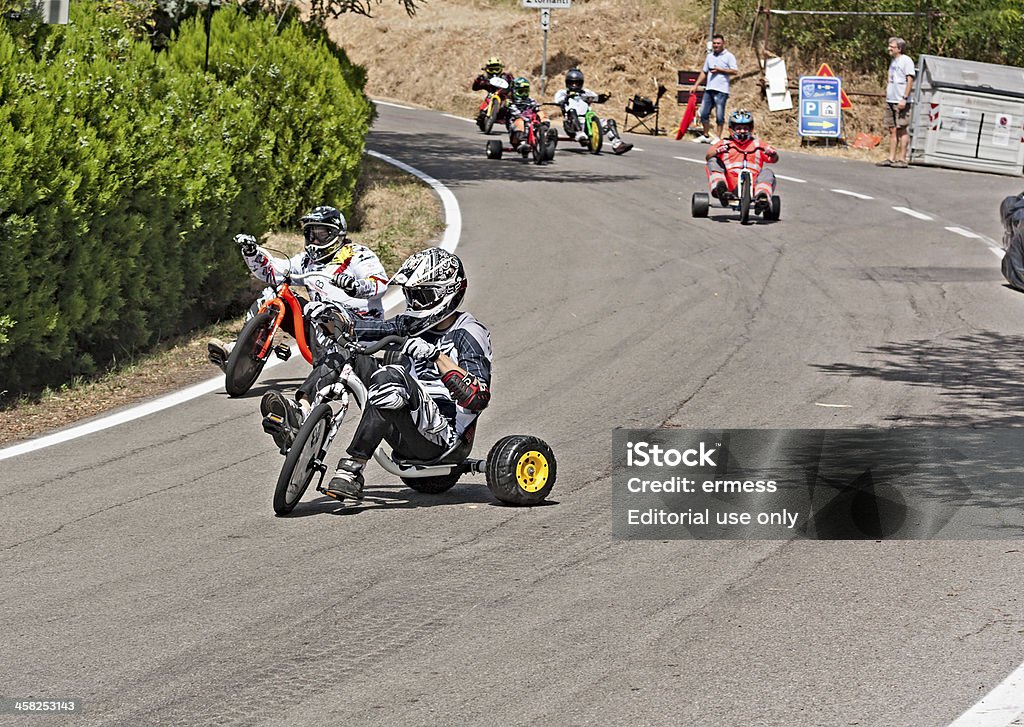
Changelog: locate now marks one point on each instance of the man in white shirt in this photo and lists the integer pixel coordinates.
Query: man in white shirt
(719, 67)
(897, 104)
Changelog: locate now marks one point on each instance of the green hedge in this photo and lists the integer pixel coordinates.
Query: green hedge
(124, 174)
(989, 31)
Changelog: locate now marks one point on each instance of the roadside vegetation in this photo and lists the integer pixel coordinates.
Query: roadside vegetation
(394, 213)
(124, 172)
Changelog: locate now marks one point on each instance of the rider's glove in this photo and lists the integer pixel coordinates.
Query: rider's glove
(420, 350)
(602, 97)
(246, 243)
(346, 282)
(314, 309)
(332, 318)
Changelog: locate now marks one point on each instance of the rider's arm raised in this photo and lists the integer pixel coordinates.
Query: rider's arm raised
(268, 268)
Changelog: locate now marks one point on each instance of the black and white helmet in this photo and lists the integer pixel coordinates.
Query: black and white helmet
(434, 283)
(324, 232)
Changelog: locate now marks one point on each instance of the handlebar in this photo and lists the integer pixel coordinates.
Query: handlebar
(301, 277)
(372, 348)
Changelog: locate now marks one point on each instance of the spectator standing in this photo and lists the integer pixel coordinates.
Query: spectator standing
(719, 67)
(897, 103)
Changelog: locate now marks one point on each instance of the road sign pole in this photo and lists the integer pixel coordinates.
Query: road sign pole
(545, 23)
(545, 7)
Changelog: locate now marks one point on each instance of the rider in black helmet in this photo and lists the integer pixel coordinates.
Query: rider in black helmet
(571, 124)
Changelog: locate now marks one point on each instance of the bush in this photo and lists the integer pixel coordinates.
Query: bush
(988, 32)
(124, 174)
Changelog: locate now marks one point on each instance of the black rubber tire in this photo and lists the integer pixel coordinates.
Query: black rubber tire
(551, 145)
(431, 485)
(538, 145)
(519, 454)
(699, 204)
(746, 195)
(296, 473)
(495, 109)
(775, 211)
(494, 149)
(594, 132)
(243, 367)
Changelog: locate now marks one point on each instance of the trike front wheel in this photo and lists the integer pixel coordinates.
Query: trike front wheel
(250, 354)
(304, 460)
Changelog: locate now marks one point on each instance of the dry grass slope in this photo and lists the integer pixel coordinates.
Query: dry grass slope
(622, 46)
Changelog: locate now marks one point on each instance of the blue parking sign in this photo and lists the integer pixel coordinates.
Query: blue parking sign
(821, 106)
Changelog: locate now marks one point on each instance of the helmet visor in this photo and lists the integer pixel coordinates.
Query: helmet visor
(318, 234)
(422, 296)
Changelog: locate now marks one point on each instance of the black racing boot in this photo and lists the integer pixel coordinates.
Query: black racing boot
(282, 418)
(347, 481)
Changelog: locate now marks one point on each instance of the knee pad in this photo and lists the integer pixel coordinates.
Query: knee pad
(388, 388)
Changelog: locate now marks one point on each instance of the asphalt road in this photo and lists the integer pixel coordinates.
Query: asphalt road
(144, 571)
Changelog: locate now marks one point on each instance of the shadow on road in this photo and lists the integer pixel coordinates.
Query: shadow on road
(398, 497)
(979, 375)
(460, 161)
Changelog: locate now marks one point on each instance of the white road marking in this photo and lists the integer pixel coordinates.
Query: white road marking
(833, 406)
(992, 245)
(449, 241)
(687, 159)
(791, 179)
(964, 233)
(913, 213)
(848, 193)
(394, 105)
(999, 708)
(459, 118)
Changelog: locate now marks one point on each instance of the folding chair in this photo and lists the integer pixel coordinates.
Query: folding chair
(642, 108)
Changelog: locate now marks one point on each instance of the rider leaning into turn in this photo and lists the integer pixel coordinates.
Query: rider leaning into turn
(519, 103)
(574, 87)
(725, 159)
(493, 67)
(423, 407)
(357, 277)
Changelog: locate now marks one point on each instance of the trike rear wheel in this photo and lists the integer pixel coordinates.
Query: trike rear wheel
(520, 470)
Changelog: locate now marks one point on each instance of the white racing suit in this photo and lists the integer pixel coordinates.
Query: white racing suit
(573, 123)
(358, 261)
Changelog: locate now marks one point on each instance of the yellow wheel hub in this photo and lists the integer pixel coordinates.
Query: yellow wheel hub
(532, 471)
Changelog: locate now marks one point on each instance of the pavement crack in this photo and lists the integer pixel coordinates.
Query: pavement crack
(131, 501)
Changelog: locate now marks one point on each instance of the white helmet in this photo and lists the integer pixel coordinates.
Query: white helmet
(434, 283)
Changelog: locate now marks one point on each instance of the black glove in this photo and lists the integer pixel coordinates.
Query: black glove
(602, 97)
(246, 243)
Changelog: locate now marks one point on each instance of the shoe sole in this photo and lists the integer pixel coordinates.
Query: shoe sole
(339, 496)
